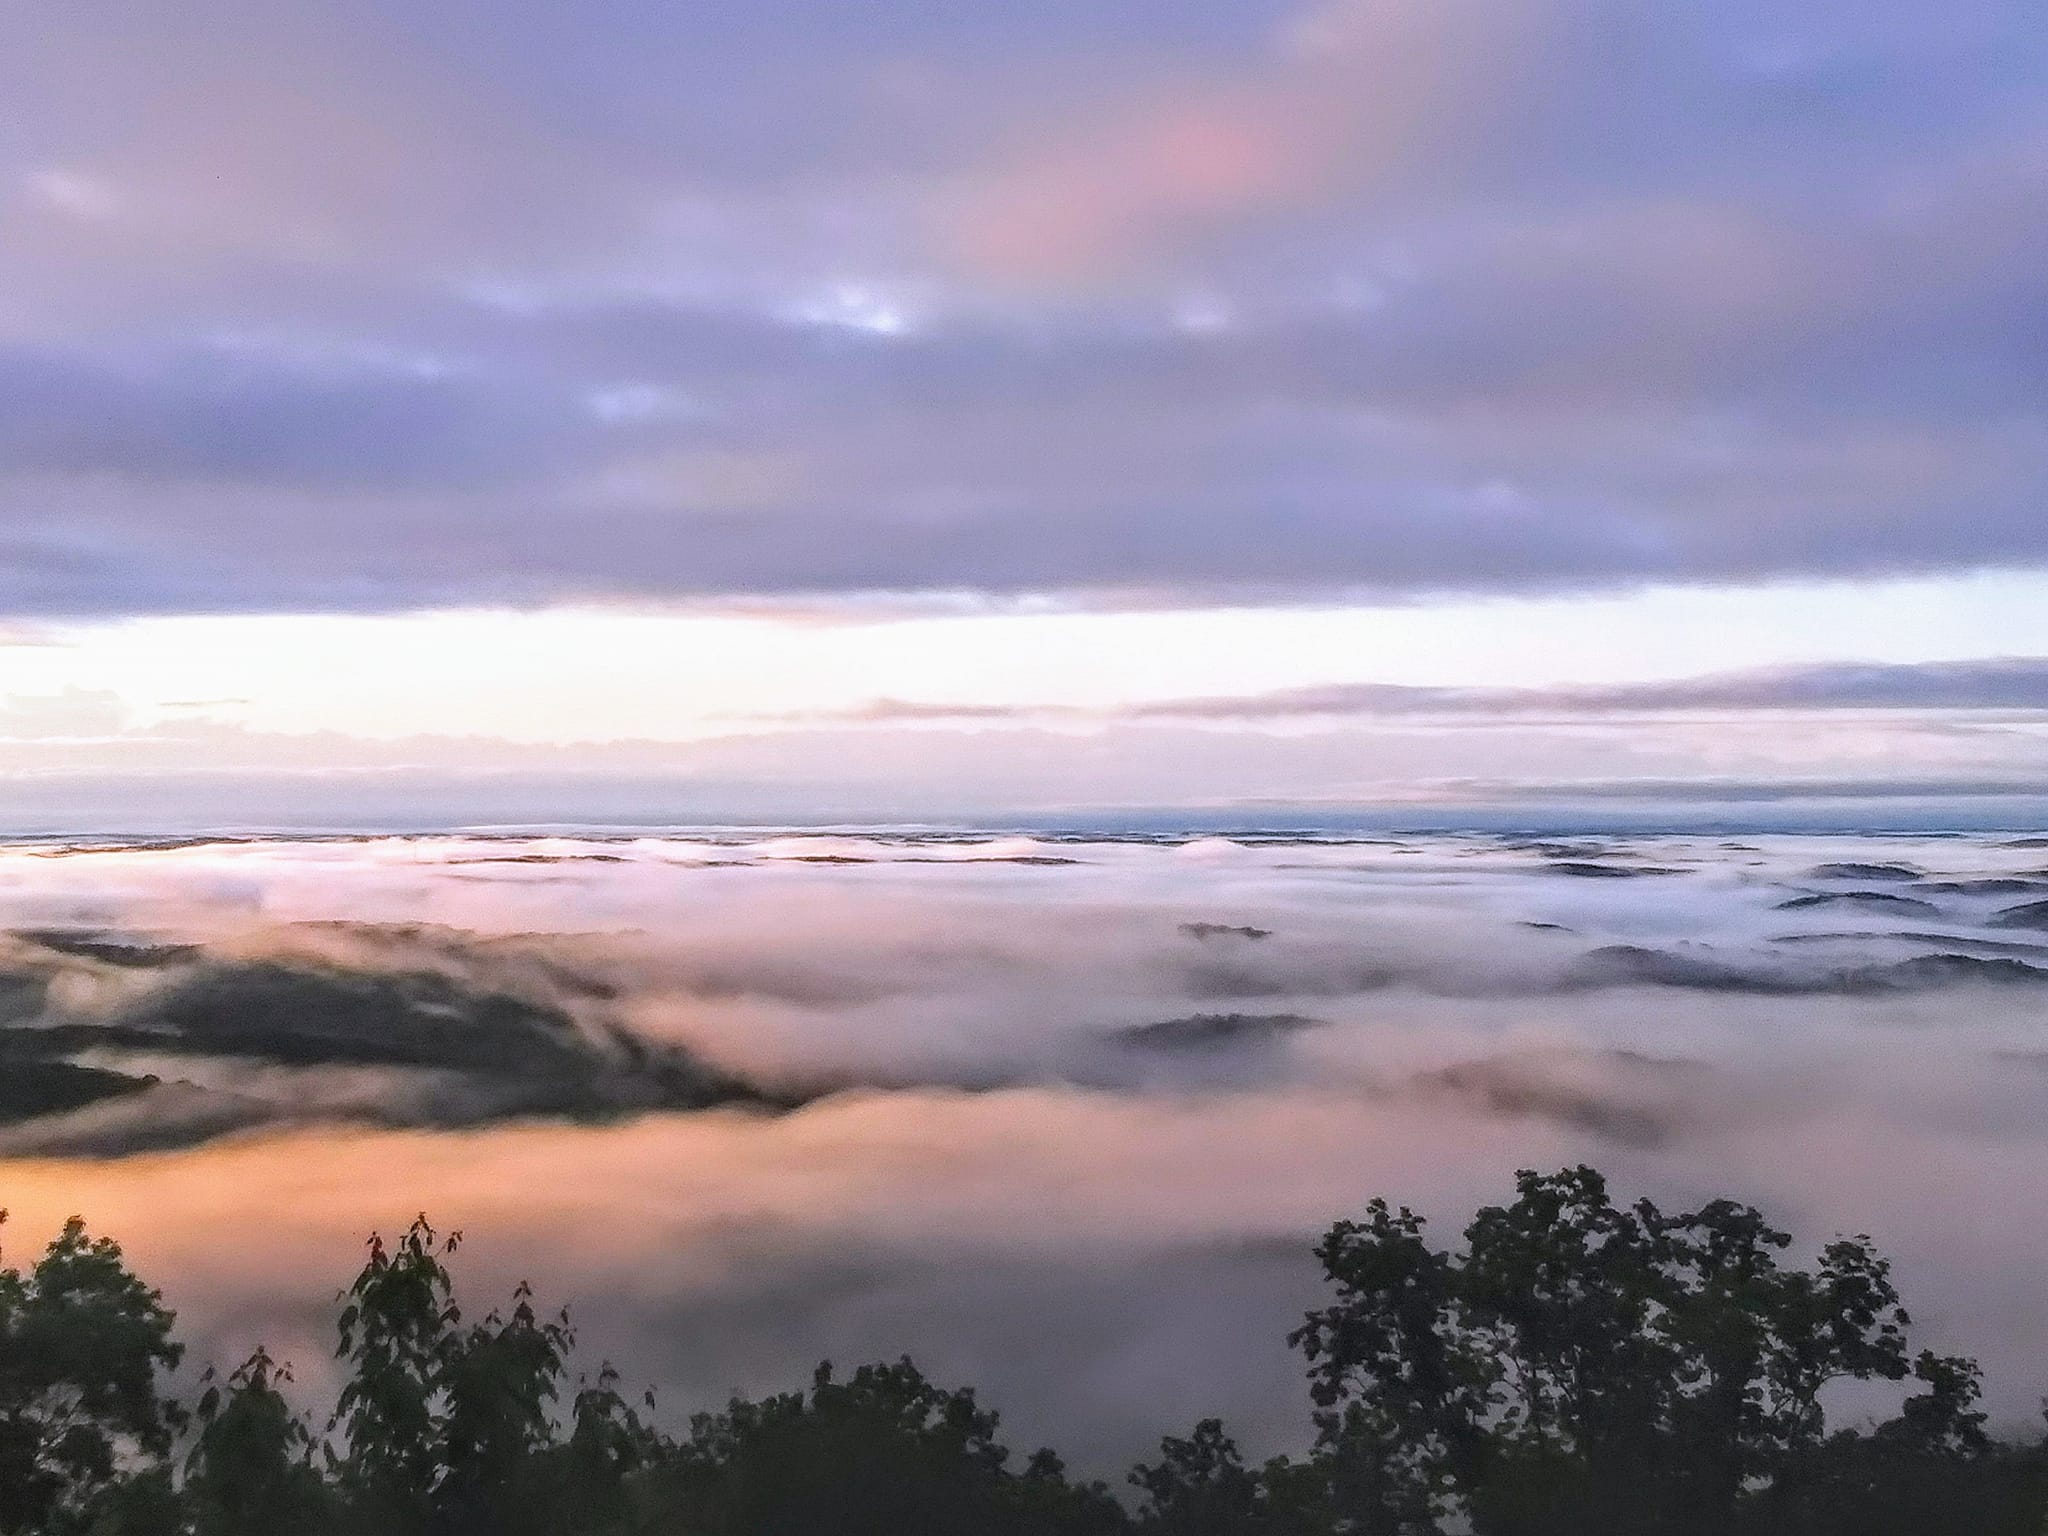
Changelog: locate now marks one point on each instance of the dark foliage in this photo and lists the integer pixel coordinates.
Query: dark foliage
(81, 1344)
(1575, 1368)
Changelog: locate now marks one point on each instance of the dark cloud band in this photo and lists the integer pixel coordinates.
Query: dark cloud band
(1991, 684)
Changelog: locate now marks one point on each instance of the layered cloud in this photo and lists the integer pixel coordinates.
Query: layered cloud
(334, 307)
(1061, 1117)
(2004, 683)
(1908, 745)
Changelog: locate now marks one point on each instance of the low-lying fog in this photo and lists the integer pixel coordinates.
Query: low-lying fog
(1060, 1118)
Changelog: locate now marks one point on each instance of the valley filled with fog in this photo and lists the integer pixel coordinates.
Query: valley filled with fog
(1057, 1115)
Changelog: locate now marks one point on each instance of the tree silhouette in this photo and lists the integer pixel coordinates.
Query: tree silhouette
(398, 1337)
(500, 1381)
(882, 1452)
(1582, 1368)
(1574, 1366)
(81, 1343)
(1201, 1486)
(252, 1469)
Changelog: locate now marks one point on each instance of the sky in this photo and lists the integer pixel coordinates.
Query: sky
(912, 411)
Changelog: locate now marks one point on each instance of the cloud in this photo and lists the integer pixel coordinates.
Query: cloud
(73, 714)
(1347, 97)
(2006, 683)
(1731, 791)
(192, 1005)
(1267, 303)
(1099, 1233)
(1991, 684)
(1823, 745)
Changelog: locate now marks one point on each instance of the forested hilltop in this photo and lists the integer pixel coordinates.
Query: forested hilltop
(1573, 1367)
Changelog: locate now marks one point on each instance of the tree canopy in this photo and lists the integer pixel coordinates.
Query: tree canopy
(1573, 1366)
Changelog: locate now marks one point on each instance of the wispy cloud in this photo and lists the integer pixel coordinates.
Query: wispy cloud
(2006, 683)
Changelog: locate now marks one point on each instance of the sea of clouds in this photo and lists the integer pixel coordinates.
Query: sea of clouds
(1060, 1116)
